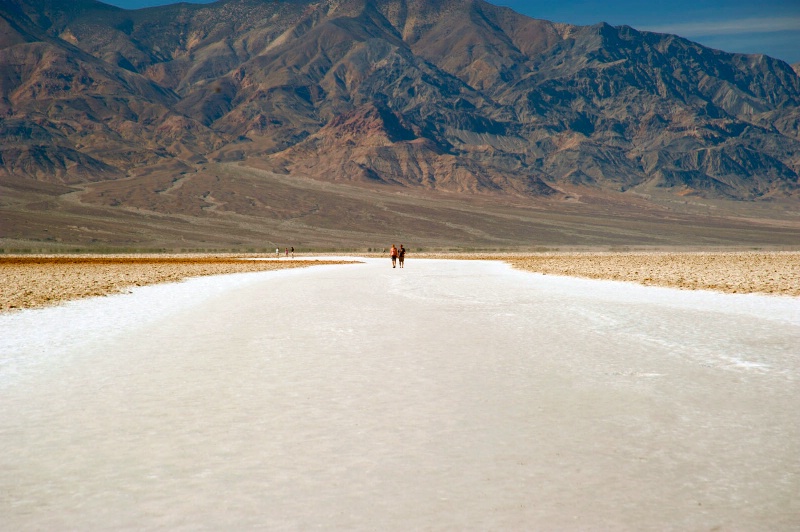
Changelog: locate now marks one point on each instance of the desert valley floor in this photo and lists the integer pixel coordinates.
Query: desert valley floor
(445, 395)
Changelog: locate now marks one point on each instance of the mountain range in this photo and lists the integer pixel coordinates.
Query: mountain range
(451, 96)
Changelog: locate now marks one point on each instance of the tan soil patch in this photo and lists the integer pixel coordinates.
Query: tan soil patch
(734, 272)
(38, 281)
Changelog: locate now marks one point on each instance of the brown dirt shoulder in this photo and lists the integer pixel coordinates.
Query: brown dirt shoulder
(39, 281)
(776, 273)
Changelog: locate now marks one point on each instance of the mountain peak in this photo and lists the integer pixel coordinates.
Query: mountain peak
(447, 94)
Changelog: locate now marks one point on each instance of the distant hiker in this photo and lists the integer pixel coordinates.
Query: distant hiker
(292, 251)
(287, 251)
(393, 254)
(278, 252)
(401, 255)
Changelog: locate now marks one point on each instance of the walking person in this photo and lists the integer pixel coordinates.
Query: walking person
(292, 251)
(393, 254)
(401, 255)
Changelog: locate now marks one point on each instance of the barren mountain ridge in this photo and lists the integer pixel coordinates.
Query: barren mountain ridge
(457, 96)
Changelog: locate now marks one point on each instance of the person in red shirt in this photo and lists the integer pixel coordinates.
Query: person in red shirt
(393, 254)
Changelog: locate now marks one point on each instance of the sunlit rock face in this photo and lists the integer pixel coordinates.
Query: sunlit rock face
(451, 95)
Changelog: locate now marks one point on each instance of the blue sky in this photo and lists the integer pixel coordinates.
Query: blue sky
(769, 27)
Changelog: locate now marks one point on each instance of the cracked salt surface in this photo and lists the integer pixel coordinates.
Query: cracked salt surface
(446, 395)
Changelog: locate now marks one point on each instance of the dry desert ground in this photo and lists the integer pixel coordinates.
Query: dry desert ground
(734, 272)
(37, 281)
(743, 272)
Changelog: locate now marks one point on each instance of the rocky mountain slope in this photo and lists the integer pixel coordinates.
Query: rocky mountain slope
(452, 95)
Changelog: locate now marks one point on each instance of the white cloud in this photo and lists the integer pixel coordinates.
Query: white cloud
(730, 27)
